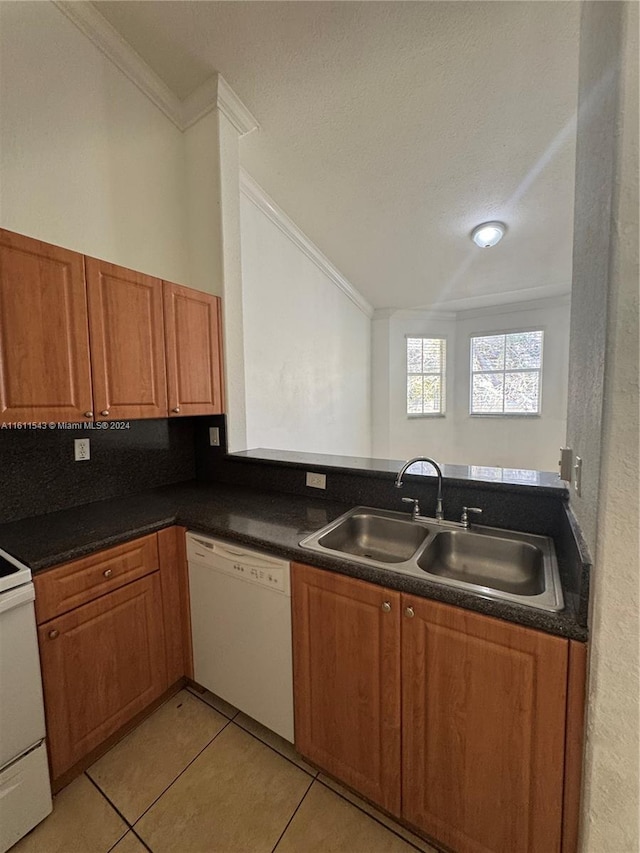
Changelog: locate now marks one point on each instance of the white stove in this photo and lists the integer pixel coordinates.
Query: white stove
(25, 791)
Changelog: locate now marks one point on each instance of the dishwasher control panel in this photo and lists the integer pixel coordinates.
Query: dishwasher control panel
(231, 559)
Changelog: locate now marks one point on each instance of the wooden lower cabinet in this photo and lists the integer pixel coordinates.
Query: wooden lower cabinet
(108, 659)
(176, 616)
(101, 664)
(477, 761)
(347, 681)
(483, 708)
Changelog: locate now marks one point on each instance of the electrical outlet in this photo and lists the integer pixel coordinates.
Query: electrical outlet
(316, 481)
(81, 450)
(214, 436)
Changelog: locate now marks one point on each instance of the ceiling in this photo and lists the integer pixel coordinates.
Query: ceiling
(390, 129)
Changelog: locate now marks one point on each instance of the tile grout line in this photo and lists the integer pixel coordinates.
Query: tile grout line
(314, 778)
(114, 807)
(277, 752)
(229, 720)
(295, 812)
(141, 840)
(184, 769)
(213, 707)
(257, 737)
(373, 817)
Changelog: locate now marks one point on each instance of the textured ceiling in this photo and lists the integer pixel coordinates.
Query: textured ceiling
(390, 129)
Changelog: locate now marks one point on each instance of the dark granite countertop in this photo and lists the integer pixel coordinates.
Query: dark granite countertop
(542, 481)
(275, 522)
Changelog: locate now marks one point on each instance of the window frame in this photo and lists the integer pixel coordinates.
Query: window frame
(442, 374)
(472, 372)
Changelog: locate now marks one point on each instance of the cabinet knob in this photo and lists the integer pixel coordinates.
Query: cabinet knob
(53, 634)
(409, 612)
(386, 607)
(88, 414)
(107, 573)
(105, 413)
(176, 409)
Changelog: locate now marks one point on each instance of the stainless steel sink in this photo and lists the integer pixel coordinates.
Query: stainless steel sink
(375, 536)
(490, 562)
(504, 564)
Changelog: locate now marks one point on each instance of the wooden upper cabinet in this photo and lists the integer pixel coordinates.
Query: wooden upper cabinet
(483, 730)
(346, 636)
(193, 347)
(127, 345)
(44, 340)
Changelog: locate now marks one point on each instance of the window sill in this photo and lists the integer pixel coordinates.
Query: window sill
(426, 415)
(505, 415)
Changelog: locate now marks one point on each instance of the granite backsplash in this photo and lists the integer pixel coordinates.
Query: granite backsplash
(38, 473)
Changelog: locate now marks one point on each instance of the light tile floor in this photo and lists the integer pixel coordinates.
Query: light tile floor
(200, 777)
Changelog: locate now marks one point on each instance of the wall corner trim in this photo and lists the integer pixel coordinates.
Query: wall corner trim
(255, 194)
(214, 93)
(233, 108)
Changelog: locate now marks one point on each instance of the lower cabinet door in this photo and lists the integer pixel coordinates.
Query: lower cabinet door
(347, 681)
(102, 663)
(483, 730)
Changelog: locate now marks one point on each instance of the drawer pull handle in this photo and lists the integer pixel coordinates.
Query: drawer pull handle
(107, 573)
(176, 409)
(105, 413)
(409, 612)
(88, 414)
(386, 607)
(53, 634)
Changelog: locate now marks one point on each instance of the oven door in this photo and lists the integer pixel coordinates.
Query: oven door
(21, 706)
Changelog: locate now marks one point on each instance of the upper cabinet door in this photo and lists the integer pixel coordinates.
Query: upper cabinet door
(193, 345)
(127, 346)
(44, 340)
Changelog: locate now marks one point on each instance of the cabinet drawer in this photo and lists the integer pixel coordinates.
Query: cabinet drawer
(80, 581)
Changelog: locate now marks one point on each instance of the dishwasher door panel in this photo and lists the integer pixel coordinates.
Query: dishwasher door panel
(242, 645)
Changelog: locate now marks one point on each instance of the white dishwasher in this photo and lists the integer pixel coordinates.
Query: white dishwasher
(241, 628)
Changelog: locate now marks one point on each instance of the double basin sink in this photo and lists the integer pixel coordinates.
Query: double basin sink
(487, 561)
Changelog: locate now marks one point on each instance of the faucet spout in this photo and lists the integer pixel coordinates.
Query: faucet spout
(434, 464)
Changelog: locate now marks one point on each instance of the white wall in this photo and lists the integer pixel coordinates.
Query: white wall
(458, 437)
(306, 349)
(86, 160)
(612, 787)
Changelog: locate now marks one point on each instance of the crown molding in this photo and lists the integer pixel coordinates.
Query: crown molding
(108, 40)
(413, 314)
(232, 107)
(214, 93)
(255, 194)
(562, 300)
(217, 93)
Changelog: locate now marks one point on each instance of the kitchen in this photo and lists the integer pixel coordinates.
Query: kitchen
(138, 191)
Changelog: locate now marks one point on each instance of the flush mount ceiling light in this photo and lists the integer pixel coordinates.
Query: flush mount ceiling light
(488, 234)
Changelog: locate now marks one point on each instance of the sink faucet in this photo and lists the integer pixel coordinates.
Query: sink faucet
(408, 464)
(464, 521)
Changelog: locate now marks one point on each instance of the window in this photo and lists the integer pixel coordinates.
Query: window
(425, 375)
(505, 374)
